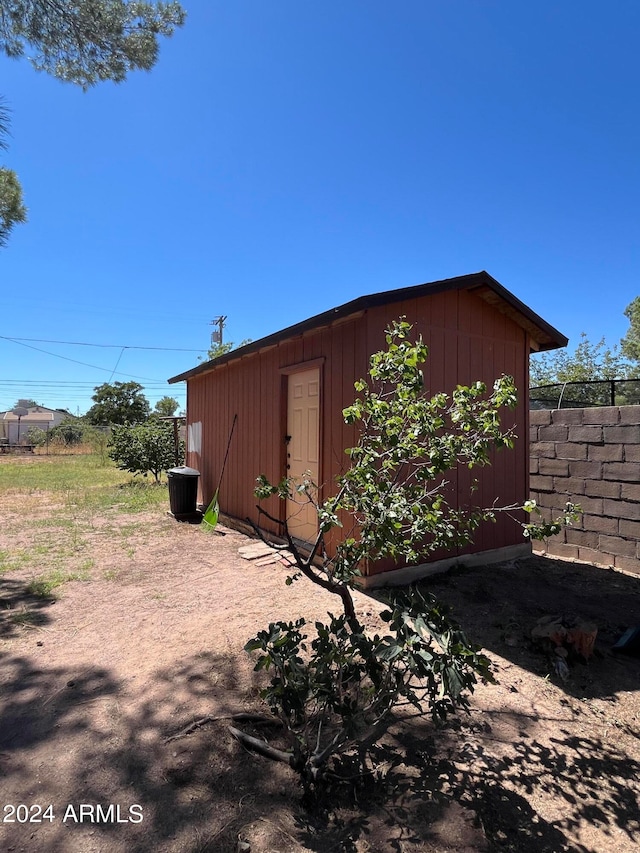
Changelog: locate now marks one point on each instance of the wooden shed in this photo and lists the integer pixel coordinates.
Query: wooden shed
(288, 391)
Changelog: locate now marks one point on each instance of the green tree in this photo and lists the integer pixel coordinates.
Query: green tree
(118, 403)
(87, 41)
(144, 448)
(589, 362)
(166, 407)
(98, 440)
(83, 42)
(222, 349)
(12, 209)
(25, 403)
(334, 688)
(630, 344)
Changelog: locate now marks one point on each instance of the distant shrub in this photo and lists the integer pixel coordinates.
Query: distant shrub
(69, 432)
(146, 448)
(36, 436)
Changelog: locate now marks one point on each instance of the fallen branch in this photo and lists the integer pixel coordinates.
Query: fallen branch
(241, 717)
(262, 748)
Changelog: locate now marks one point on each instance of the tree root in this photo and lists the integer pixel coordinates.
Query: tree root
(241, 717)
(262, 748)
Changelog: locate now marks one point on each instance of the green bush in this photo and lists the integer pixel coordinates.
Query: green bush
(36, 436)
(69, 432)
(146, 448)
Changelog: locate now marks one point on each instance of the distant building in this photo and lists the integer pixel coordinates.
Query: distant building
(14, 429)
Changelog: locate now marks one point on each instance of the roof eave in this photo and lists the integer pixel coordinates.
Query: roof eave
(545, 336)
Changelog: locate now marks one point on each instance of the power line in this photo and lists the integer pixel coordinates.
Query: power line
(156, 383)
(75, 361)
(66, 390)
(117, 363)
(103, 346)
(14, 386)
(114, 308)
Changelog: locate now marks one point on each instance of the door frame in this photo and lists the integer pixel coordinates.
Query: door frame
(285, 373)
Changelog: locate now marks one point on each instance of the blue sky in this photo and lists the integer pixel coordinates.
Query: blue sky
(285, 157)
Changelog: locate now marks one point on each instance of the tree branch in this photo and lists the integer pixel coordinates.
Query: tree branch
(304, 566)
(262, 748)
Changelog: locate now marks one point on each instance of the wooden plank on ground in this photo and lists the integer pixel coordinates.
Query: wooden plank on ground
(255, 551)
(271, 560)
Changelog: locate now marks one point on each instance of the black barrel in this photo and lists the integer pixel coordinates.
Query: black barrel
(183, 490)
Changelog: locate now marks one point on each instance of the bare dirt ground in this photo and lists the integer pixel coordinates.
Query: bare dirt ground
(93, 684)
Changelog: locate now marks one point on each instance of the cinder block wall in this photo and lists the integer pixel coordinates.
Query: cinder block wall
(592, 457)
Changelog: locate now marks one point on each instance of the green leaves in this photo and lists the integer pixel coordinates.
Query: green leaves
(408, 442)
(280, 646)
(145, 448)
(630, 344)
(118, 403)
(545, 529)
(88, 41)
(166, 407)
(332, 695)
(263, 488)
(12, 209)
(589, 361)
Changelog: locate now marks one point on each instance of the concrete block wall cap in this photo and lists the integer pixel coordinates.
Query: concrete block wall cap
(567, 416)
(601, 415)
(630, 414)
(539, 416)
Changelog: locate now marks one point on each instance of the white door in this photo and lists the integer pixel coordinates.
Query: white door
(303, 418)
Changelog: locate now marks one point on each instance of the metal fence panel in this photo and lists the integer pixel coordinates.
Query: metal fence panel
(580, 395)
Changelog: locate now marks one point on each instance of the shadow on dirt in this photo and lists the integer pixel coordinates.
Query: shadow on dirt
(589, 779)
(37, 703)
(66, 738)
(20, 609)
(430, 790)
(454, 796)
(499, 605)
(70, 737)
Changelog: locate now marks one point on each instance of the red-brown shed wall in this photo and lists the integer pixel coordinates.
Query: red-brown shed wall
(470, 340)
(254, 389)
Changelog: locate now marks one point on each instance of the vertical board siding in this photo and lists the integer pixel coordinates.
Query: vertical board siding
(468, 340)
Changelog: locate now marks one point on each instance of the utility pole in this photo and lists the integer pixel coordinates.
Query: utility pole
(216, 335)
